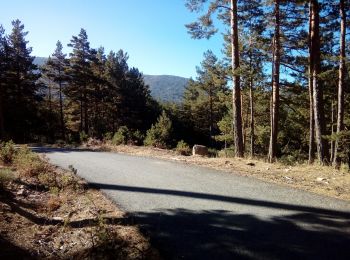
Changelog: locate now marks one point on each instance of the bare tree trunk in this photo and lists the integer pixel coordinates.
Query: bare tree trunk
(321, 143)
(311, 100)
(340, 117)
(63, 128)
(332, 129)
(237, 106)
(2, 130)
(252, 137)
(275, 86)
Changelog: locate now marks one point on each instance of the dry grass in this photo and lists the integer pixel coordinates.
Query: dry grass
(317, 179)
(48, 213)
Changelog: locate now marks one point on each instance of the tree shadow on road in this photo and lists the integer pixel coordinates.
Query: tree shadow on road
(219, 234)
(302, 232)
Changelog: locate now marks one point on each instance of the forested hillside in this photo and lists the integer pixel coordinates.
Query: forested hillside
(281, 91)
(165, 88)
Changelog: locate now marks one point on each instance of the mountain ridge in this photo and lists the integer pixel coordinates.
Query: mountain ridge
(164, 88)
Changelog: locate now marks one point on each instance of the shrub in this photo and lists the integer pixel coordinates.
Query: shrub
(6, 175)
(108, 136)
(137, 137)
(212, 152)
(121, 136)
(183, 148)
(159, 134)
(83, 137)
(7, 152)
(28, 163)
(229, 152)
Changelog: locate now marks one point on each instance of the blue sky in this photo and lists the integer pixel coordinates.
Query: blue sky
(151, 31)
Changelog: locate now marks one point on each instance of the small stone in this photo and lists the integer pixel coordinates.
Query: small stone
(21, 192)
(57, 218)
(320, 179)
(268, 168)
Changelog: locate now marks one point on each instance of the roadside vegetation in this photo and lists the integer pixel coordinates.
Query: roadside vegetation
(49, 213)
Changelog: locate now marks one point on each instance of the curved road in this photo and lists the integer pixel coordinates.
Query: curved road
(198, 213)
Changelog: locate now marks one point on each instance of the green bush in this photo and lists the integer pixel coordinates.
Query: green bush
(229, 153)
(108, 136)
(83, 137)
(159, 134)
(212, 152)
(6, 175)
(137, 137)
(121, 136)
(7, 152)
(183, 148)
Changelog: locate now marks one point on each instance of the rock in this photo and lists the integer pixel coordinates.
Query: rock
(21, 192)
(320, 179)
(200, 150)
(57, 218)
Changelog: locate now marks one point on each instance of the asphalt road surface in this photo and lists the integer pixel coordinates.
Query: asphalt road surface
(197, 213)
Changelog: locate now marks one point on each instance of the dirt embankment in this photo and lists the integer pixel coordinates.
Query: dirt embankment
(49, 213)
(317, 179)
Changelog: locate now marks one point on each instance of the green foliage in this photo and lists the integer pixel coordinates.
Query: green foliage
(159, 135)
(121, 136)
(108, 136)
(137, 137)
(227, 153)
(83, 137)
(7, 152)
(183, 148)
(6, 175)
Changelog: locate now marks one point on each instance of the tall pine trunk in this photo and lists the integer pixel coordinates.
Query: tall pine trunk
(63, 131)
(311, 101)
(340, 112)
(251, 100)
(275, 86)
(2, 130)
(236, 95)
(321, 143)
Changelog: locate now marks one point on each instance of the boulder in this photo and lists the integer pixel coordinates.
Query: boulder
(200, 150)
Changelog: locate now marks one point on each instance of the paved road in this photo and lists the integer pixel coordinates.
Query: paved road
(197, 213)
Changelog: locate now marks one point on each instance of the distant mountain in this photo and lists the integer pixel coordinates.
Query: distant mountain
(166, 88)
(40, 61)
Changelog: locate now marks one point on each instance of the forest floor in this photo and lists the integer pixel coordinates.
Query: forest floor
(313, 178)
(49, 213)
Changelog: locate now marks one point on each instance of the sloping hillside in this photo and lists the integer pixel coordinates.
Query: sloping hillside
(166, 87)
(163, 87)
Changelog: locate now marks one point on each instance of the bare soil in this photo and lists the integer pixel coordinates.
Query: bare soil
(73, 223)
(322, 180)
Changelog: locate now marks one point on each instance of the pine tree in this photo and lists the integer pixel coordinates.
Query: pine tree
(80, 76)
(55, 72)
(203, 97)
(204, 28)
(341, 81)
(321, 143)
(275, 84)
(21, 95)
